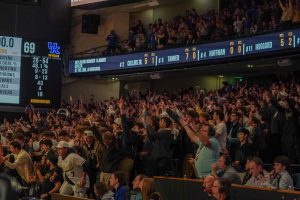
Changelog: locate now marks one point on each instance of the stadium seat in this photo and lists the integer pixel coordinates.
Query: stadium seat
(296, 180)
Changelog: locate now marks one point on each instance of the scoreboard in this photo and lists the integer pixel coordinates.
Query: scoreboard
(249, 46)
(30, 72)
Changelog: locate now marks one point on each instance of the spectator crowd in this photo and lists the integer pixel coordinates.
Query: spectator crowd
(98, 149)
(236, 18)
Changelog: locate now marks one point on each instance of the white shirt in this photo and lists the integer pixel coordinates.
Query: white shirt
(71, 143)
(221, 134)
(72, 167)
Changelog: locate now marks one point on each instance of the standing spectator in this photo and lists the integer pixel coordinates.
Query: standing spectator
(219, 31)
(253, 28)
(78, 133)
(172, 32)
(243, 151)
(232, 140)
(52, 180)
(208, 151)
(19, 137)
(22, 163)
(246, 25)
(190, 40)
(221, 130)
(290, 128)
(93, 151)
(276, 11)
(112, 43)
(238, 26)
(276, 121)
(161, 38)
(162, 141)
(139, 40)
(131, 142)
(64, 136)
(152, 43)
(131, 41)
(75, 170)
(296, 17)
(111, 156)
(259, 138)
(140, 27)
(287, 13)
(188, 148)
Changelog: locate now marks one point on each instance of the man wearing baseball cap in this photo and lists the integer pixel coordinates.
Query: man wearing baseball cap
(74, 169)
(93, 151)
(53, 179)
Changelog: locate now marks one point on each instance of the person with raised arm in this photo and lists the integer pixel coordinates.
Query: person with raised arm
(209, 148)
(287, 13)
(22, 162)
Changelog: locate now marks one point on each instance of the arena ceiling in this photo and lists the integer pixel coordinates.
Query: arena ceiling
(97, 4)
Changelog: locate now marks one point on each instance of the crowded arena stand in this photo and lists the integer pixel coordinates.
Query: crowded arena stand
(198, 104)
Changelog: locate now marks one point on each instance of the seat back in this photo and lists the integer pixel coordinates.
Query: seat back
(296, 180)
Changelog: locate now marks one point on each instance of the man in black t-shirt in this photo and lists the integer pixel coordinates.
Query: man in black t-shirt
(53, 178)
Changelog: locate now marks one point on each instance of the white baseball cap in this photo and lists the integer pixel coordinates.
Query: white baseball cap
(62, 144)
(89, 133)
(118, 121)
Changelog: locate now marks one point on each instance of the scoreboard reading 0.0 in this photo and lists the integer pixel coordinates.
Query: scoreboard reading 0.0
(29, 71)
(249, 46)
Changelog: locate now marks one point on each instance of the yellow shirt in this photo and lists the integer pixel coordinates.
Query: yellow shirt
(23, 165)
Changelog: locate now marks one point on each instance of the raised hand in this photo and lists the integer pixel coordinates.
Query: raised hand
(121, 103)
(183, 122)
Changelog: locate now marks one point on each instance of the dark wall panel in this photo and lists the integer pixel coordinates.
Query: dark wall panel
(50, 19)
(7, 19)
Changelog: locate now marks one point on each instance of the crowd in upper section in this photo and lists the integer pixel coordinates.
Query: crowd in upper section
(239, 18)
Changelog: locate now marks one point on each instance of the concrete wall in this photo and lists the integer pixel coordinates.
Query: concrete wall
(109, 20)
(103, 90)
(147, 17)
(167, 12)
(84, 87)
(205, 82)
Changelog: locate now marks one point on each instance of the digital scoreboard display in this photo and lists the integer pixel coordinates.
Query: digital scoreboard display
(30, 72)
(250, 46)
